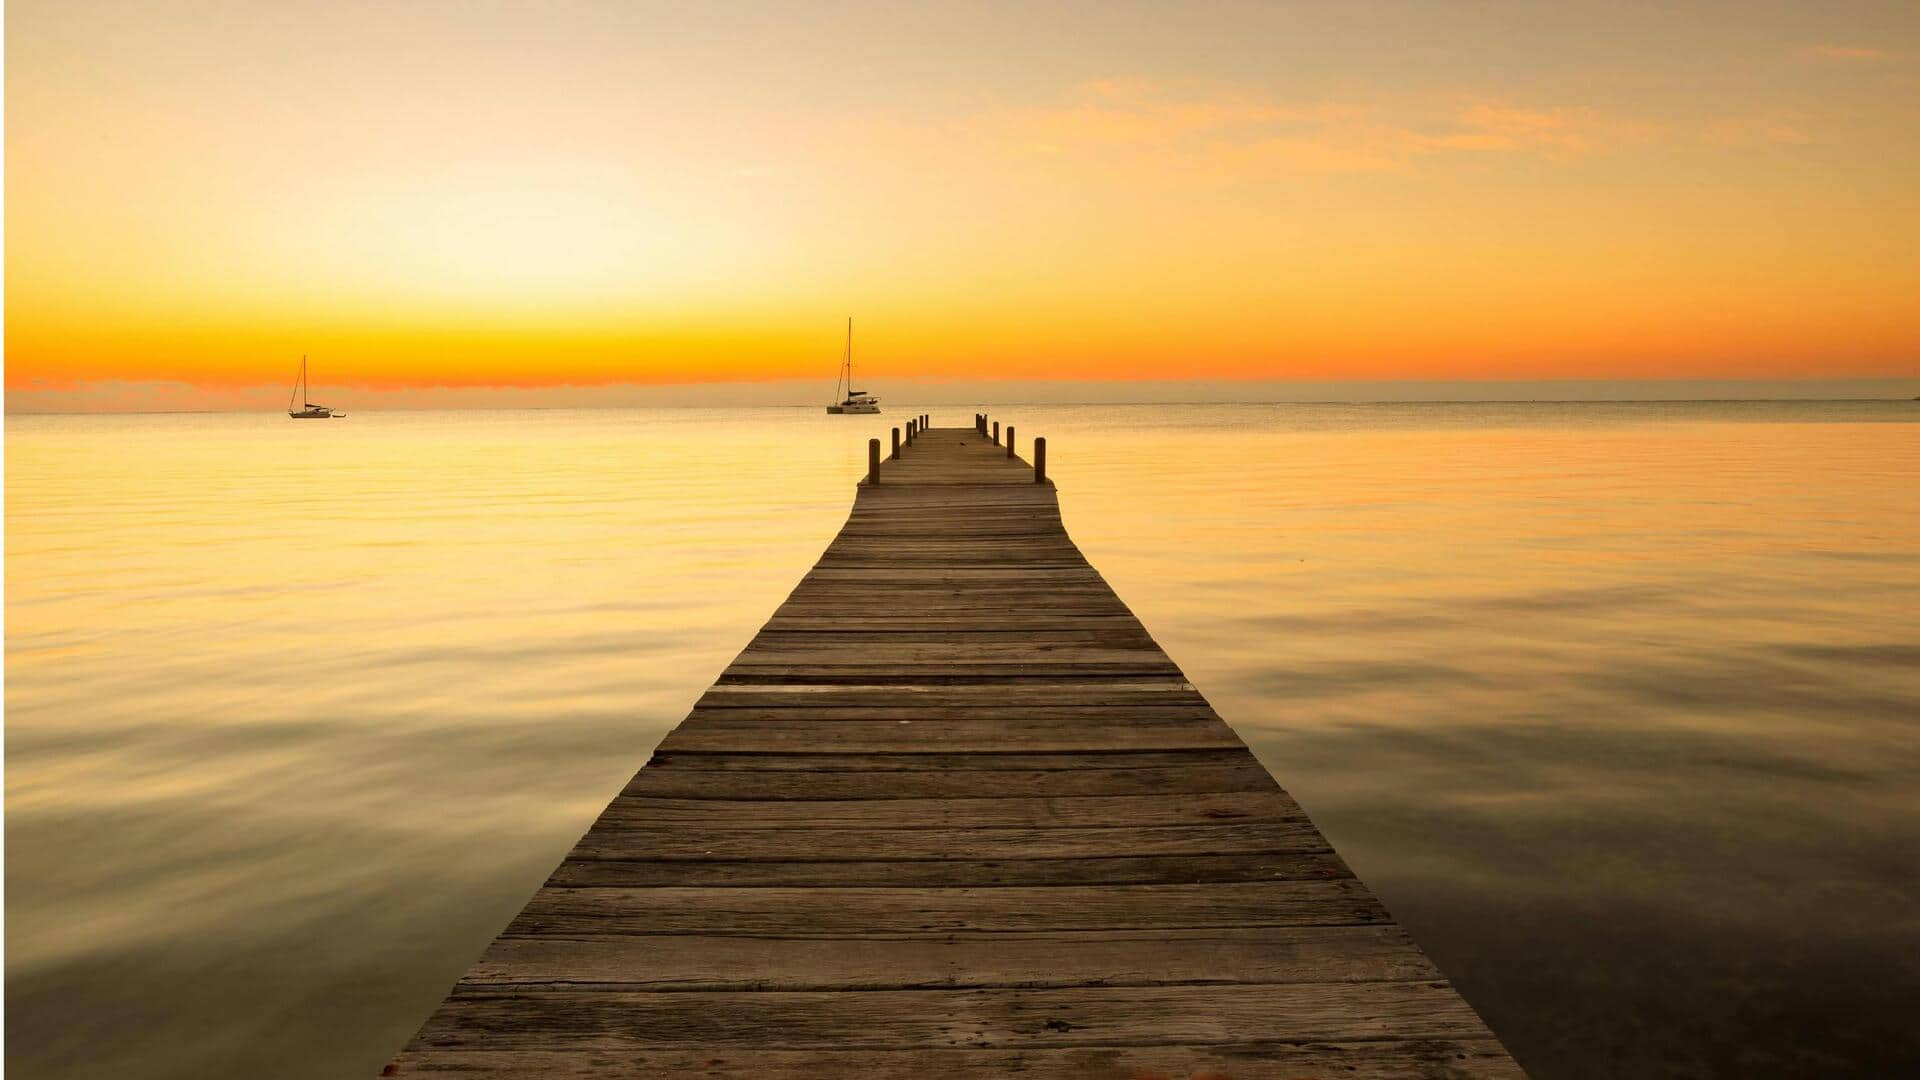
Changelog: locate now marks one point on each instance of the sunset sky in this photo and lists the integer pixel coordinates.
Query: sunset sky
(482, 194)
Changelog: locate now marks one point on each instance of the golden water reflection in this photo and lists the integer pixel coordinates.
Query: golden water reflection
(1615, 705)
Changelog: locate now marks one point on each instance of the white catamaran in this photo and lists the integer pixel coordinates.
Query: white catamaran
(856, 401)
(308, 410)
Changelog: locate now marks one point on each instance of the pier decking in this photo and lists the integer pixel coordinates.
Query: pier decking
(953, 813)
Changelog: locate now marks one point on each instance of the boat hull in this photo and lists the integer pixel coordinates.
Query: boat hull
(313, 414)
(864, 409)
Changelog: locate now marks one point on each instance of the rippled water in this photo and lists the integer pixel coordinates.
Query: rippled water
(1616, 706)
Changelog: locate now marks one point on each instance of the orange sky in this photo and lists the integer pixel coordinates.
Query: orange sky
(530, 195)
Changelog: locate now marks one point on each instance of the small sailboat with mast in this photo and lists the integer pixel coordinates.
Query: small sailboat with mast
(856, 401)
(307, 410)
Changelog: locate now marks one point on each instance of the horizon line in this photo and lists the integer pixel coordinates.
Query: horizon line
(628, 407)
(168, 397)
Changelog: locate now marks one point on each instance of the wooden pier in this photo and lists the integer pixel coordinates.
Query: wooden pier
(952, 813)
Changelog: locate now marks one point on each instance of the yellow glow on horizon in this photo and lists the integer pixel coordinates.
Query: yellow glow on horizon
(587, 195)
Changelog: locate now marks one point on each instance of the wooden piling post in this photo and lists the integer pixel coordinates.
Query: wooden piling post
(1009, 440)
(896, 442)
(873, 461)
(1039, 462)
(996, 433)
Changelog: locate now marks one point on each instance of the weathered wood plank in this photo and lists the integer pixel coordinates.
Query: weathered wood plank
(809, 619)
(991, 643)
(1089, 716)
(1080, 1016)
(1012, 959)
(953, 695)
(1038, 812)
(984, 735)
(1379, 1059)
(613, 839)
(879, 912)
(1071, 667)
(800, 784)
(825, 760)
(980, 736)
(949, 873)
(1007, 577)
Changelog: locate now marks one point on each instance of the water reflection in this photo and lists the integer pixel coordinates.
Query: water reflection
(1614, 705)
(1618, 715)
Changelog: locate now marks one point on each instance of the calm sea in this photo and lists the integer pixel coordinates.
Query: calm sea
(1616, 706)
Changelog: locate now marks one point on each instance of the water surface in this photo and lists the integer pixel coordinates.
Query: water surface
(1616, 706)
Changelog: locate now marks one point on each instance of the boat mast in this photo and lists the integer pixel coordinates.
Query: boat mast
(849, 356)
(838, 374)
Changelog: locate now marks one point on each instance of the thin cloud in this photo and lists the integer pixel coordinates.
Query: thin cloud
(1846, 53)
(1239, 131)
(1767, 129)
(1506, 127)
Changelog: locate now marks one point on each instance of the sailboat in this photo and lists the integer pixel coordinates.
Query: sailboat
(856, 401)
(308, 410)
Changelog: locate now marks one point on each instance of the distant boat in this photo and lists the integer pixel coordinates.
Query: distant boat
(856, 401)
(308, 410)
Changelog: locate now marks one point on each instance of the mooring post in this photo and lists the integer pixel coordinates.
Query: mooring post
(896, 442)
(1039, 462)
(910, 432)
(873, 461)
(1009, 440)
(996, 433)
